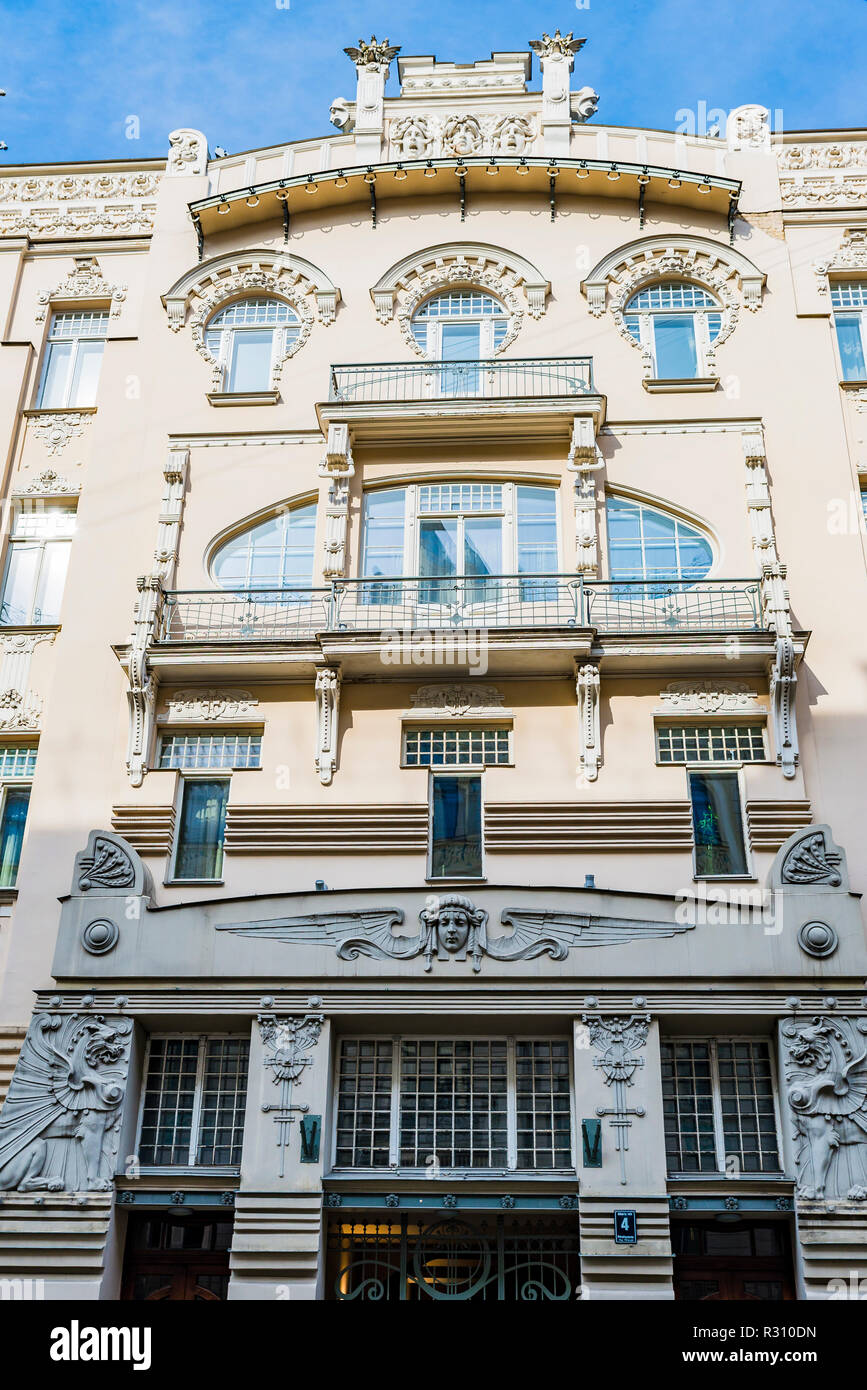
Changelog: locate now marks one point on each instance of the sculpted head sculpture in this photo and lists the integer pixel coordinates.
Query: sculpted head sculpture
(452, 926)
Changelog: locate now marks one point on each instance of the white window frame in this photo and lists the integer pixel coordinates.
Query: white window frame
(445, 726)
(454, 772)
(223, 355)
(219, 731)
(855, 311)
(718, 1134)
(647, 335)
(42, 508)
(666, 721)
(184, 775)
(737, 770)
(8, 784)
(508, 512)
(511, 1040)
(202, 1039)
(432, 348)
(76, 341)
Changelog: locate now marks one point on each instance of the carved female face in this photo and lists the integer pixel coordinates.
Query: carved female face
(453, 928)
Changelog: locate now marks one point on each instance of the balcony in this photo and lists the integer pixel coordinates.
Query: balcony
(525, 397)
(499, 378)
(449, 604)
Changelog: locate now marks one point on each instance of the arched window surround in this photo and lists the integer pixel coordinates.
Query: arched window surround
(512, 279)
(724, 272)
(201, 293)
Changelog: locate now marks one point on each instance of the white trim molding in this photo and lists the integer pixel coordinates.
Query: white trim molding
(723, 271)
(590, 740)
(84, 282)
(514, 280)
(196, 297)
(850, 256)
(327, 717)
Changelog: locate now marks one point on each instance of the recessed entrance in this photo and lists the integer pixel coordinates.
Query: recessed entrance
(495, 1258)
(748, 1261)
(180, 1258)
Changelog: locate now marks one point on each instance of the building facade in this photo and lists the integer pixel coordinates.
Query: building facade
(432, 706)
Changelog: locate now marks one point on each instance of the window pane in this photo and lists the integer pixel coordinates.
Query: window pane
(453, 1103)
(451, 747)
(224, 1099)
(276, 554)
(456, 848)
(250, 364)
(17, 759)
(747, 1100)
(383, 532)
(645, 543)
(438, 551)
(12, 833)
(537, 530)
(231, 748)
(483, 545)
(52, 577)
(364, 1104)
(851, 345)
(170, 1089)
(687, 1102)
(717, 825)
(85, 373)
(203, 821)
(19, 590)
(674, 339)
(58, 357)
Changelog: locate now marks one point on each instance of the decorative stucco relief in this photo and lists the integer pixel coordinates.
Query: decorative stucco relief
(48, 483)
(86, 282)
(851, 255)
(431, 137)
(74, 205)
(456, 699)
(618, 1040)
(288, 1044)
(708, 696)
(212, 704)
(60, 1120)
(826, 1090)
(453, 928)
(56, 428)
(188, 153)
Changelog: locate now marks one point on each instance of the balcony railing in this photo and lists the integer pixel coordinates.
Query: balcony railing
(499, 378)
(478, 602)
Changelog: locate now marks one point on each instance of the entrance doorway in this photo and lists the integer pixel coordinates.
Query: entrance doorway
(737, 1261)
(178, 1258)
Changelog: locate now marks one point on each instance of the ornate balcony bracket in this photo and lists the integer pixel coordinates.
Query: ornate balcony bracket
(338, 466)
(327, 719)
(143, 683)
(587, 686)
(782, 685)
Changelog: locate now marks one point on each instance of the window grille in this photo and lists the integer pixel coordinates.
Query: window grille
(17, 760)
(456, 1103)
(226, 749)
(460, 497)
(460, 304)
(450, 747)
(849, 294)
(248, 313)
(195, 1094)
(710, 743)
(672, 295)
(83, 323)
(719, 1106)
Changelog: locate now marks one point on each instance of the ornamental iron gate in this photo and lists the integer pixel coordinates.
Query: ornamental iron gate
(500, 1258)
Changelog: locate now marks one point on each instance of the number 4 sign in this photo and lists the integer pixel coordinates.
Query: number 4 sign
(625, 1228)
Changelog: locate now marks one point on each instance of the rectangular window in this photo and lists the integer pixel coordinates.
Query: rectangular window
(36, 565)
(719, 1107)
(229, 748)
(710, 743)
(451, 747)
(675, 348)
(456, 827)
(13, 819)
(17, 760)
(850, 340)
(195, 1094)
(717, 824)
(199, 853)
(73, 357)
(462, 1103)
(250, 361)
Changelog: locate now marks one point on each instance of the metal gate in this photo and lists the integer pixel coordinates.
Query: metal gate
(500, 1258)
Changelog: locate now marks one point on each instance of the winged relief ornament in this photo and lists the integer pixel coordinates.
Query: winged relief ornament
(451, 927)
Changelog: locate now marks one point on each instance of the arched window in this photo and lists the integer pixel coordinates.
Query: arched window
(465, 325)
(849, 300)
(676, 323)
(645, 543)
(249, 339)
(275, 554)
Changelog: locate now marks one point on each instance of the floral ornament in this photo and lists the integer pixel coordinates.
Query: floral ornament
(279, 282)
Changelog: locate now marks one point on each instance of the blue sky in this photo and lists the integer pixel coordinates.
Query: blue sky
(258, 72)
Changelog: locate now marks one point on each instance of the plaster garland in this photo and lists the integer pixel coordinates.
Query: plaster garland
(851, 255)
(87, 282)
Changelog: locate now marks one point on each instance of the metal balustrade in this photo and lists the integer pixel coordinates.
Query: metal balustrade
(499, 378)
(455, 603)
